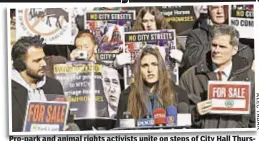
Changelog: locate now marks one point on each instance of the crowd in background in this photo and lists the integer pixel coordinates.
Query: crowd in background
(211, 46)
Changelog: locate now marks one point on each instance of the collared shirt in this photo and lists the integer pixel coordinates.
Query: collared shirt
(225, 72)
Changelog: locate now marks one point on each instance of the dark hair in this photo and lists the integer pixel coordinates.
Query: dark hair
(166, 93)
(161, 22)
(21, 46)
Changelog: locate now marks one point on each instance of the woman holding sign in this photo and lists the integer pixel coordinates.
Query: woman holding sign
(148, 19)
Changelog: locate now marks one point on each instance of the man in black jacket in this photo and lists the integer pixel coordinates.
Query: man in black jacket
(221, 64)
(29, 81)
(198, 41)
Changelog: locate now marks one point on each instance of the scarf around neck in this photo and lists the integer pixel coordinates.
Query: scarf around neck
(152, 101)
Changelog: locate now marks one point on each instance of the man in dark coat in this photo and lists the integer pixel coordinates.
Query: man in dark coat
(29, 81)
(198, 41)
(222, 58)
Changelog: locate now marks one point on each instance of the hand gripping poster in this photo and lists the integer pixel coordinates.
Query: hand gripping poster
(92, 89)
(108, 28)
(54, 24)
(163, 40)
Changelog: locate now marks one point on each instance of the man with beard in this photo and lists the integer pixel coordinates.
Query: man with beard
(29, 81)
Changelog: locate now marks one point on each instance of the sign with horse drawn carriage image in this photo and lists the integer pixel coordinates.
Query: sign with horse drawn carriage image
(54, 24)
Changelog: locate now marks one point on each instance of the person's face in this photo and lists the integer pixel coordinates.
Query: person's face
(221, 50)
(149, 22)
(35, 63)
(111, 86)
(149, 69)
(85, 43)
(217, 14)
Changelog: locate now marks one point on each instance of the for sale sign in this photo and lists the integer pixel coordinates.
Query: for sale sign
(229, 97)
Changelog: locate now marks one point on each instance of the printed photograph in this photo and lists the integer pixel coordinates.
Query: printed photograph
(131, 68)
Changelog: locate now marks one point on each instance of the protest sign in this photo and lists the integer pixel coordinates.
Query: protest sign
(54, 24)
(86, 86)
(164, 40)
(45, 116)
(242, 17)
(181, 18)
(229, 97)
(108, 28)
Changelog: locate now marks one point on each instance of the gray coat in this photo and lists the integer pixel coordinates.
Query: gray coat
(195, 81)
(198, 44)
